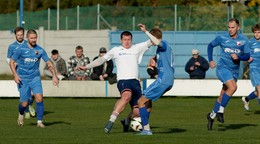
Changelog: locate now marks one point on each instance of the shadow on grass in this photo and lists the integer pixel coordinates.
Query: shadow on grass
(47, 112)
(171, 130)
(257, 112)
(234, 126)
(53, 123)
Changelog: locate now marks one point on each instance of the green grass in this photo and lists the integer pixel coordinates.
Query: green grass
(173, 120)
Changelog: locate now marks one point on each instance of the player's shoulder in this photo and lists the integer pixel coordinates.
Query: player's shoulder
(241, 36)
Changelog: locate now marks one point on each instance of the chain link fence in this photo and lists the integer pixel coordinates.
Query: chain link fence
(172, 18)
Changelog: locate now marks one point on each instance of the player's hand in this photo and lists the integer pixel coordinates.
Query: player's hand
(212, 64)
(142, 27)
(17, 79)
(192, 68)
(250, 60)
(55, 81)
(234, 56)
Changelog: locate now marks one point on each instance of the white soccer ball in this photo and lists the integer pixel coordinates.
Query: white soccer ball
(136, 124)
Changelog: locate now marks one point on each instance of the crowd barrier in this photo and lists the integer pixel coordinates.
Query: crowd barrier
(182, 87)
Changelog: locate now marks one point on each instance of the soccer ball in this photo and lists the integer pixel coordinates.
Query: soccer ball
(136, 124)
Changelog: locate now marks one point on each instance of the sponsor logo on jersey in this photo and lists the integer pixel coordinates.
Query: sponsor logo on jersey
(29, 60)
(256, 50)
(229, 50)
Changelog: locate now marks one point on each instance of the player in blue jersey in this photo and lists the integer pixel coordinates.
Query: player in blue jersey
(27, 75)
(234, 48)
(19, 35)
(163, 82)
(254, 66)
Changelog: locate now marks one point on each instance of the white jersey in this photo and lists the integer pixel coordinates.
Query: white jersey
(127, 60)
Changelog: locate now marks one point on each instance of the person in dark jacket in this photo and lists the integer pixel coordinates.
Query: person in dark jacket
(197, 66)
(104, 71)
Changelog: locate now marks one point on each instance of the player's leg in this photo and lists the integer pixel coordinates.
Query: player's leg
(36, 88)
(30, 105)
(24, 92)
(118, 108)
(144, 114)
(246, 99)
(39, 110)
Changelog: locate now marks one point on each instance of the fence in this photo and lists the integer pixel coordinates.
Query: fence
(170, 18)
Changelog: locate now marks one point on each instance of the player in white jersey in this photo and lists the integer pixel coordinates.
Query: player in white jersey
(127, 58)
(254, 60)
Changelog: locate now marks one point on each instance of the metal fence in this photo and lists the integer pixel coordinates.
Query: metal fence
(176, 18)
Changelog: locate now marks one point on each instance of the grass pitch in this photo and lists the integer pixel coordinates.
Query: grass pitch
(179, 120)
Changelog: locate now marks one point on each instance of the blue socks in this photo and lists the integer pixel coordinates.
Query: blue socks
(251, 95)
(225, 100)
(39, 110)
(21, 109)
(216, 106)
(144, 115)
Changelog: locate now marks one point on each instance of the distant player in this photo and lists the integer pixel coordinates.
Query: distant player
(27, 75)
(254, 66)
(234, 48)
(19, 35)
(163, 82)
(127, 57)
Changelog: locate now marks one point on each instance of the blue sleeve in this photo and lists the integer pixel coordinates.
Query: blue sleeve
(244, 57)
(45, 56)
(16, 54)
(9, 53)
(210, 52)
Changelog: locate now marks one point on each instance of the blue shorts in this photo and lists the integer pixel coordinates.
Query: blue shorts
(132, 85)
(156, 90)
(224, 74)
(27, 86)
(255, 77)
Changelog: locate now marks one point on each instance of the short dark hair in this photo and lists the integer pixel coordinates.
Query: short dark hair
(17, 29)
(234, 20)
(156, 32)
(79, 47)
(255, 27)
(31, 31)
(54, 52)
(126, 33)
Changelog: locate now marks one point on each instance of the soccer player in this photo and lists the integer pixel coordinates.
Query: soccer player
(27, 75)
(127, 57)
(19, 35)
(163, 82)
(254, 60)
(234, 48)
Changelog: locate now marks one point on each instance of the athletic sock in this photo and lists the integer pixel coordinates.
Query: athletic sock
(39, 110)
(221, 109)
(21, 109)
(26, 109)
(251, 96)
(225, 100)
(144, 117)
(113, 116)
(216, 107)
(258, 100)
(30, 101)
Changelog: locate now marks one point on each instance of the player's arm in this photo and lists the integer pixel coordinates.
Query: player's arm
(210, 56)
(52, 70)
(97, 62)
(151, 37)
(12, 65)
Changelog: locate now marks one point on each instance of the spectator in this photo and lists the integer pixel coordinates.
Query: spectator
(59, 65)
(152, 68)
(79, 59)
(104, 71)
(197, 66)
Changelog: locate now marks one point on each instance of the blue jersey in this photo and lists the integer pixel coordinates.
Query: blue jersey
(229, 46)
(165, 63)
(13, 47)
(28, 60)
(255, 53)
